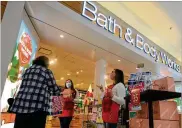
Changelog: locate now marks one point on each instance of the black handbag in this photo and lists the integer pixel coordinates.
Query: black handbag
(11, 101)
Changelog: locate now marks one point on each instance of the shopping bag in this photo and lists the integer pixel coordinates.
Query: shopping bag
(55, 105)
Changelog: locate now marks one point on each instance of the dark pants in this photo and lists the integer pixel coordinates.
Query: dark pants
(65, 122)
(30, 120)
(110, 125)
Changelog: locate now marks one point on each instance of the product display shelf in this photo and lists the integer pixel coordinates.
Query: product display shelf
(150, 96)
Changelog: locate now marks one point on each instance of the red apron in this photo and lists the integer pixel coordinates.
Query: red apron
(68, 106)
(110, 109)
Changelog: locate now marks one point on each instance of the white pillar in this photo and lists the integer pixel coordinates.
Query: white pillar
(100, 72)
(9, 28)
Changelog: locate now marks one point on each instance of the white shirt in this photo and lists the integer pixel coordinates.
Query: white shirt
(119, 93)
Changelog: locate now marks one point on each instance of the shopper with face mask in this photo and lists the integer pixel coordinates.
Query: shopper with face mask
(69, 94)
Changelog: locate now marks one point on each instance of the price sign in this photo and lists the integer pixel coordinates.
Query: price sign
(135, 97)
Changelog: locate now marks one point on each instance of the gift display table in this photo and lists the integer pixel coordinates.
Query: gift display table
(149, 96)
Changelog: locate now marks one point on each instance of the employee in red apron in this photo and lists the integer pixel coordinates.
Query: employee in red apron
(69, 94)
(113, 98)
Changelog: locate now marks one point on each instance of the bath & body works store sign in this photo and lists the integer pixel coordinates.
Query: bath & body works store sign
(91, 12)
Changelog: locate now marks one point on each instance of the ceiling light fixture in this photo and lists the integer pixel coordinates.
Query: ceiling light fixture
(62, 36)
(81, 70)
(119, 60)
(68, 74)
(77, 72)
(62, 78)
(51, 62)
(105, 77)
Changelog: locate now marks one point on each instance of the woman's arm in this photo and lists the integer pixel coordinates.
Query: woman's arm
(52, 83)
(119, 94)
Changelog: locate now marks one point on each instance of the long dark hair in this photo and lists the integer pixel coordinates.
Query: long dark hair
(72, 85)
(119, 77)
(42, 61)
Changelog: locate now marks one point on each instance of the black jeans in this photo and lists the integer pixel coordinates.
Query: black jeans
(65, 122)
(110, 125)
(31, 120)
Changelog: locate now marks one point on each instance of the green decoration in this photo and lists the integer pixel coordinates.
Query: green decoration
(80, 103)
(179, 101)
(132, 114)
(14, 70)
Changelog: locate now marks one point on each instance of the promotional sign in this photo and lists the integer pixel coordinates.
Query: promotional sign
(23, 55)
(135, 97)
(91, 12)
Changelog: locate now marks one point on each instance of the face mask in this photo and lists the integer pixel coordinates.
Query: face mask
(68, 85)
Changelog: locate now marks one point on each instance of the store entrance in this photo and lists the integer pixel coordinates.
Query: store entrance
(66, 65)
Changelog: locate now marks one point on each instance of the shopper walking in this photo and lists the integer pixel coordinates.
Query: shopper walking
(113, 98)
(32, 101)
(69, 95)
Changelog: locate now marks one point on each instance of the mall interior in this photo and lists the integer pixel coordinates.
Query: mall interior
(85, 41)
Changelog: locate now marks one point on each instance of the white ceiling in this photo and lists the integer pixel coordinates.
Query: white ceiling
(174, 11)
(71, 58)
(81, 46)
(154, 20)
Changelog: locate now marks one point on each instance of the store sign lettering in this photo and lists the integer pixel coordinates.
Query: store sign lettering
(90, 12)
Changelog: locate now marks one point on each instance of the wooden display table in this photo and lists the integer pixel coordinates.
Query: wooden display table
(76, 122)
(7, 117)
(150, 96)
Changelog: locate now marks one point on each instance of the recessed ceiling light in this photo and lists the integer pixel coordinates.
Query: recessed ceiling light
(77, 72)
(56, 59)
(62, 36)
(62, 78)
(105, 77)
(51, 62)
(119, 60)
(81, 70)
(68, 74)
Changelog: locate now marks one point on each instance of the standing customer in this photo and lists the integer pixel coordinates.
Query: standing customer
(69, 94)
(32, 101)
(113, 98)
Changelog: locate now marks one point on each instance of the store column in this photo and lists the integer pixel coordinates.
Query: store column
(100, 72)
(9, 28)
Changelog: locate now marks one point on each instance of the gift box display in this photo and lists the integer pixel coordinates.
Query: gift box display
(162, 110)
(144, 123)
(165, 84)
(165, 113)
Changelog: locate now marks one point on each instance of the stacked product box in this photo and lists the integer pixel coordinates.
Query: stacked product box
(165, 113)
